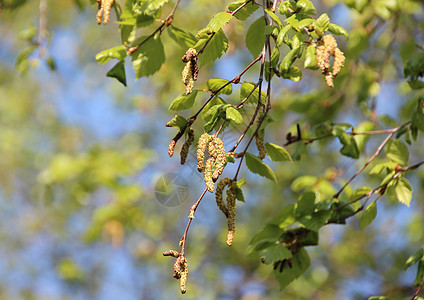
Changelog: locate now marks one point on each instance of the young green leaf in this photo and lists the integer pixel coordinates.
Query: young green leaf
(413, 259)
(306, 6)
(305, 205)
(275, 253)
(239, 195)
(183, 101)
(368, 215)
(398, 152)
(148, 58)
(181, 37)
(216, 47)
(311, 58)
(274, 17)
(178, 121)
(119, 52)
(233, 115)
(400, 190)
(246, 89)
(294, 73)
(219, 20)
(257, 166)
(338, 30)
(350, 148)
(321, 25)
(316, 220)
(255, 37)
(277, 153)
(245, 12)
(118, 72)
(216, 84)
(420, 274)
(288, 60)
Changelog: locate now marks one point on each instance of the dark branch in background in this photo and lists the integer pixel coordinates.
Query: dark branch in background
(299, 138)
(377, 152)
(380, 190)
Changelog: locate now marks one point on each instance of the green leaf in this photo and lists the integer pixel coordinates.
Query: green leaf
(306, 6)
(338, 30)
(149, 57)
(119, 52)
(183, 101)
(244, 12)
(274, 17)
(255, 37)
(282, 35)
(415, 84)
(316, 220)
(234, 115)
(275, 253)
(178, 121)
(303, 182)
(217, 46)
(418, 115)
(239, 195)
(305, 205)
(311, 58)
(321, 25)
(216, 84)
(400, 190)
(277, 153)
(257, 166)
(118, 72)
(215, 101)
(420, 273)
(245, 90)
(378, 168)
(413, 259)
(149, 7)
(219, 20)
(294, 73)
(181, 37)
(288, 60)
(379, 298)
(398, 152)
(368, 215)
(350, 148)
(270, 233)
(300, 262)
(363, 138)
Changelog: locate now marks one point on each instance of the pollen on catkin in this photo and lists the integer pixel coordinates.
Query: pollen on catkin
(326, 48)
(260, 144)
(172, 253)
(208, 174)
(231, 206)
(218, 195)
(186, 147)
(201, 148)
(104, 9)
(184, 274)
(191, 69)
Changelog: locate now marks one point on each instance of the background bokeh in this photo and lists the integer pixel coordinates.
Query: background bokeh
(81, 156)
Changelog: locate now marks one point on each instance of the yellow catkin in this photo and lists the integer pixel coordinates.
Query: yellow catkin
(221, 161)
(186, 147)
(184, 274)
(218, 195)
(231, 205)
(171, 148)
(259, 139)
(191, 69)
(326, 48)
(177, 268)
(208, 174)
(105, 6)
(201, 148)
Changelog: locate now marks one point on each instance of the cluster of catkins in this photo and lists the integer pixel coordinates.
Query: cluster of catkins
(190, 70)
(326, 48)
(180, 268)
(105, 7)
(228, 209)
(216, 162)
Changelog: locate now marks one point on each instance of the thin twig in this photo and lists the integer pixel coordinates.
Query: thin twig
(376, 153)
